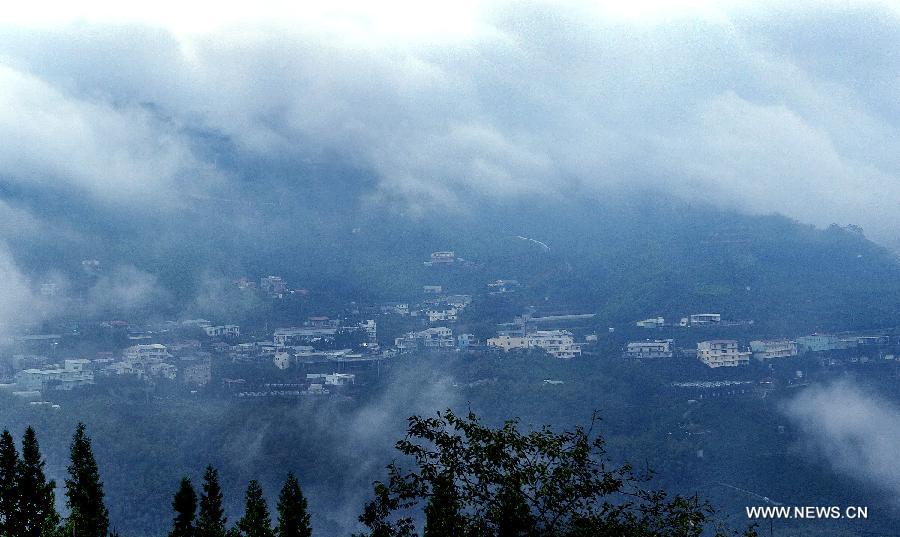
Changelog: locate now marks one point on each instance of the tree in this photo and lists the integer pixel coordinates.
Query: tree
(442, 514)
(185, 506)
(484, 481)
(256, 521)
(37, 503)
(9, 495)
(211, 521)
(88, 516)
(293, 517)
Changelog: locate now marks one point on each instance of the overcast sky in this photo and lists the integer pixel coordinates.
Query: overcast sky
(765, 107)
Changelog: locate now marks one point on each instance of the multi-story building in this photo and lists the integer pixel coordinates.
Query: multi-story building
(659, 348)
(438, 337)
(73, 374)
(153, 352)
(722, 353)
(508, 342)
(768, 349)
(557, 343)
(228, 330)
(290, 336)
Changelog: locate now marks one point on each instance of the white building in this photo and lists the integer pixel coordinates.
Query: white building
(769, 349)
(508, 342)
(442, 315)
(282, 360)
(658, 348)
(654, 322)
(228, 330)
(288, 336)
(153, 352)
(73, 374)
(557, 343)
(437, 337)
(333, 379)
(442, 258)
(722, 353)
(704, 318)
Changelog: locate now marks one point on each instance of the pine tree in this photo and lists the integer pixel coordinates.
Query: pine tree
(9, 495)
(211, 521)
(256, 521)
(37, 509)
(88, 516)
(293, 517)
(185, 506)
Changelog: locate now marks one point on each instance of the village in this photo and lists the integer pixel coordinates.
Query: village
(335, 355)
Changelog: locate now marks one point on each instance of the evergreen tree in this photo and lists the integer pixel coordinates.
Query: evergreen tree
(185, 506)
(9, 495)
(88, 516)
(256, 521)
(37, 509)
(211, 521)
(293, 517)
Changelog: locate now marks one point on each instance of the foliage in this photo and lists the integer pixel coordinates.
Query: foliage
(256, 521)
(9, 465)
(37, 510)
(88, 516)
(185, 506)
(478, 480)
(211, 520)
(293, 515)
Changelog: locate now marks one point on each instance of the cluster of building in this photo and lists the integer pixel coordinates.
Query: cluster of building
(729, 353)
(557, 343)
(694, 319)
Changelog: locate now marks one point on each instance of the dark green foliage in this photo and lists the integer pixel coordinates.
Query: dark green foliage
(501, 482)
(37, 510)
(442, 517)
(88, 516)
(185, 506)
(293, 516)
(256, 521)
(211, 520)
(9, 496)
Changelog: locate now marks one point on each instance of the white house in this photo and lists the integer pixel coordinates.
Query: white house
(557, 343)
(768, 349)
(658, 348)
(722, 353)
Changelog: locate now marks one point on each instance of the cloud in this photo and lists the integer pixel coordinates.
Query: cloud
(16, 299)
(855, 430)
(742, 105)
(125, 289)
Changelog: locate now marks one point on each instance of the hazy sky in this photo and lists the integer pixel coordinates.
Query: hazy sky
(765, 107)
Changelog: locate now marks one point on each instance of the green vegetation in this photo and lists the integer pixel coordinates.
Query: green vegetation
(473, 480)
